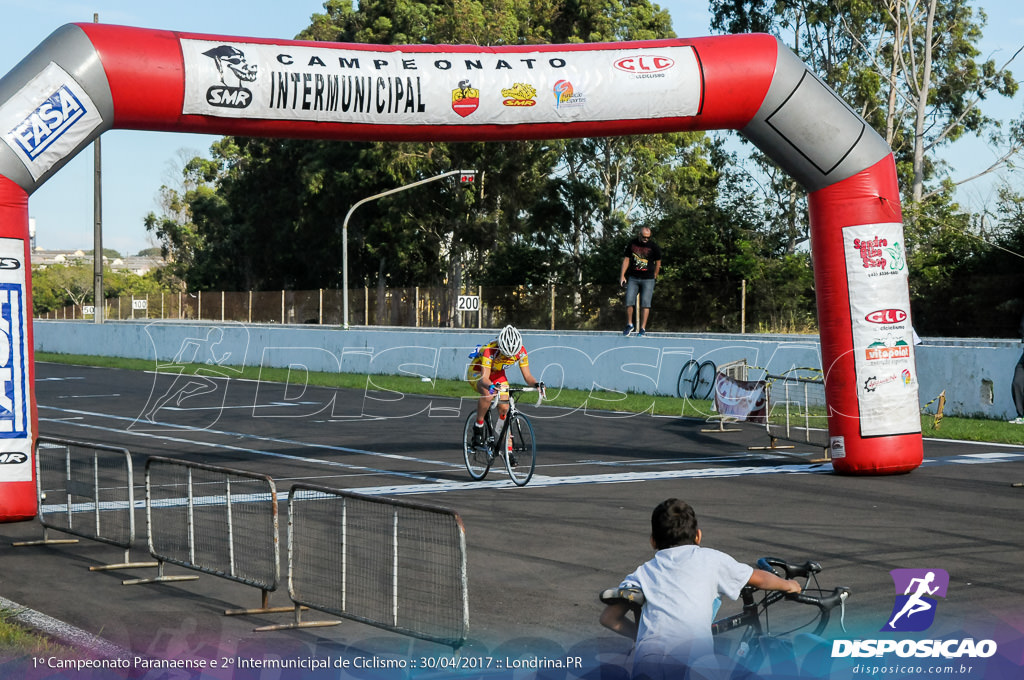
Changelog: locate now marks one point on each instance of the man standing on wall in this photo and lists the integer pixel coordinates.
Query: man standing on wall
(641, 264)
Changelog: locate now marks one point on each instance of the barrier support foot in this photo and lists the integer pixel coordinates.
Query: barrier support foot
(159, 578)
(265, 608)
(297, 623)
(46, 540)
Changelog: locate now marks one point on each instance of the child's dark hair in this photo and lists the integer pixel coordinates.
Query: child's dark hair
(673, 523)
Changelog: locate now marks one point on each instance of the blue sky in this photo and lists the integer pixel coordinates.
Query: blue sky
(136, 163)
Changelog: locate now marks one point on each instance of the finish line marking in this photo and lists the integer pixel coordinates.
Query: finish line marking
(570, 480)
(702, 473)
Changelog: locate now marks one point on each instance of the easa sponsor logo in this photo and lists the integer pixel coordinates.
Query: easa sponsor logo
(50, 120)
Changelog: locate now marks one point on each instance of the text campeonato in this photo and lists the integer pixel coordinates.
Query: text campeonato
(409, 64)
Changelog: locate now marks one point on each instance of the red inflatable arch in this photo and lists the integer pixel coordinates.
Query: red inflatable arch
(88, 78)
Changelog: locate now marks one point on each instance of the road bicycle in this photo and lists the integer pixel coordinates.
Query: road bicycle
(757, 643)
(515, 443)
(696, 379)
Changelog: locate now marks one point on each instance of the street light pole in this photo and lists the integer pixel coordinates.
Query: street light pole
(98, 302)
(344, 230)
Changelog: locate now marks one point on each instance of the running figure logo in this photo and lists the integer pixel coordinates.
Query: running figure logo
(914, 608)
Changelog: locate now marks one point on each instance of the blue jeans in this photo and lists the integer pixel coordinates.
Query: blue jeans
(643, 287)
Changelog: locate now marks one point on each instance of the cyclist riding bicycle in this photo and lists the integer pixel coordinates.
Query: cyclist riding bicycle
(487, 374)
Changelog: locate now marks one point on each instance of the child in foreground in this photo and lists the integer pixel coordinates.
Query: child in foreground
(681, 586)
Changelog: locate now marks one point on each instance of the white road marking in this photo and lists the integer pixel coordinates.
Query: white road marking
(543, 481)
(236, 435)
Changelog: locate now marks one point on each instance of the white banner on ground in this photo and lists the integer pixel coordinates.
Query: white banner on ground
(741, 399)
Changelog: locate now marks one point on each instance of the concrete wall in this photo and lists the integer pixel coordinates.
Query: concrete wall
(975, 373)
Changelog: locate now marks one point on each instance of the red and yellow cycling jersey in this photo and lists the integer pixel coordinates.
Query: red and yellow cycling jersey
(488, 355)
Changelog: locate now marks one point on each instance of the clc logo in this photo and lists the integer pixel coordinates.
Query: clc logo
(916, 589)
(644, 64)
(887, 316)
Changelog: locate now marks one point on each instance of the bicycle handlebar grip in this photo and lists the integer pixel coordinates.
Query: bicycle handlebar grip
(824, 603)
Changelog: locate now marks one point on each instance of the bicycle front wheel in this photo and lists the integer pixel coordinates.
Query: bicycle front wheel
(705, 381)
(521, 457)
(478, 458)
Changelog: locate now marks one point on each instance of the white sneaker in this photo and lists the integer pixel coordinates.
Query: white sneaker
(1017, 421)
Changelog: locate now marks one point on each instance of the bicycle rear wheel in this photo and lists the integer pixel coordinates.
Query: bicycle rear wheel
(521, 459)
(687, 377)
(478, 458)
(705, 380)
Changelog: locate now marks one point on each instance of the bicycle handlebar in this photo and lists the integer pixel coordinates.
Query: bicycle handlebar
(790, 570)
(825, 602)
(541, 392)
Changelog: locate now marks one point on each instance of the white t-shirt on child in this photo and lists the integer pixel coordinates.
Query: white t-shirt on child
(681, 586)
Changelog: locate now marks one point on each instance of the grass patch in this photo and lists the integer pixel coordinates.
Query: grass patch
(967, 429)
(18, 641)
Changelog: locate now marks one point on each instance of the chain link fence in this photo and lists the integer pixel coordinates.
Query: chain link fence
(394, 564)
(214, 520)
(86, 490)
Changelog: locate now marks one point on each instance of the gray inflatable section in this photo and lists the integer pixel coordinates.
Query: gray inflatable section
(69, 48)
(809, 131)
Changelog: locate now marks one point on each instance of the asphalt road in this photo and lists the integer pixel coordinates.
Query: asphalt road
(537, 555)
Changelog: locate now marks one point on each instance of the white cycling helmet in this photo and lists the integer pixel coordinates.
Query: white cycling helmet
(510, 341)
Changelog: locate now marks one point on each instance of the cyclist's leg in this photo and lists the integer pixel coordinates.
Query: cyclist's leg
(503, 401)
(484, 402)
(502, 397)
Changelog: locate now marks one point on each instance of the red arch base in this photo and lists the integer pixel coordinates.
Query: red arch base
(868, 198)
(18, 422)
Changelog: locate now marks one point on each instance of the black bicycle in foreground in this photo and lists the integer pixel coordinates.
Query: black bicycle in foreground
(759, 643)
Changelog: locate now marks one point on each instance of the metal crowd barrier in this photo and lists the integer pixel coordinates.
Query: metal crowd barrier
(86, 490)
(214, 520)
(392, 564)
(797, 411)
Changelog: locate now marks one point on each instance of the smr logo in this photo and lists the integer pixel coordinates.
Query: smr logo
(231, 61)
(916, 589)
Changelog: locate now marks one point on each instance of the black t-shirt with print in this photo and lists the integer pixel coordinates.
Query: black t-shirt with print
(642, 257)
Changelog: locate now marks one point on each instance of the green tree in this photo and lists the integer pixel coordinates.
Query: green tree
(75, 281)
(267, 214)
(47, 295)
(914, 71)
(912, 68)
(975, 285)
